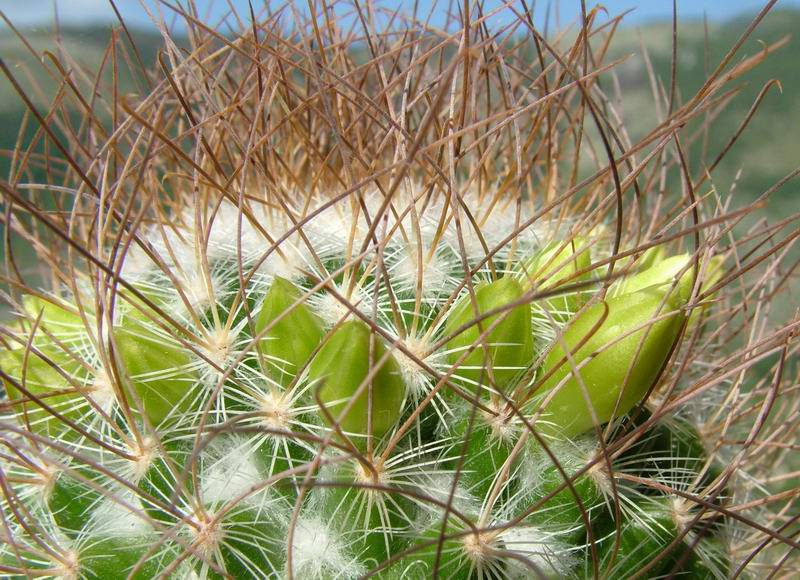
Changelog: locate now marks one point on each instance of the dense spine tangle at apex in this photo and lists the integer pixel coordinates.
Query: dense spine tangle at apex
(342, 302)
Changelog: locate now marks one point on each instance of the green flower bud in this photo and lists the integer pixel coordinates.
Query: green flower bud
(651, 257)
(660, 274)
(610, 369)
(57, 319)
(554, 266)
(38, 371)
(158, 367)
(130, 306)
(713, 273)
(510, 343)
(663, 272)
(38, 375)
(341, 365)
(288, 345)
(647, 259)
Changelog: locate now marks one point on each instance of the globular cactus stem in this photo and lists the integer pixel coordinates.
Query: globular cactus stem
(327, 310)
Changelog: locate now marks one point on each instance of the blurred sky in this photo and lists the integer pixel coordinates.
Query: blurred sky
(37, 12)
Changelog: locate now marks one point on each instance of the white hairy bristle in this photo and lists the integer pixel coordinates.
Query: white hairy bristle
(479, 547)
(102, 391)
(415, 377)
(543, 551)
(218, 346)
(143, 456)
(502, 421)
(67, 567)
(289, 262)
(331, 309)
(276, 410)
(428, 273)
(336, 231)
(120, 516)
(231, 471)
(318, 552)
(199, 290)
(207, 535)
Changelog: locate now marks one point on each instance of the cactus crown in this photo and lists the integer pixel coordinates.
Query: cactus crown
(333, 302)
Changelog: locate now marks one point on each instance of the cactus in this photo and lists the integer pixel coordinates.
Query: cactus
(322, 309)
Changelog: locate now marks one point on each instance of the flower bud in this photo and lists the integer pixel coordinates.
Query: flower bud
(711, 275)
(662, 273)
(510, 343)
(610, 368)
(37, 374)
(130, 305)
(555, 265)
(36, 369)
(651, 257)
(56, 319)
(158, 367)
(287, 346)
(342, 365)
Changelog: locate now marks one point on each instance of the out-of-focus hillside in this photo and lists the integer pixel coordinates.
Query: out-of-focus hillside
(770, 146)
(81, 49)
(85, 55)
